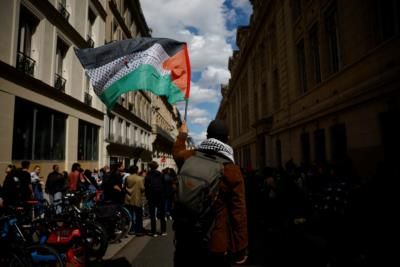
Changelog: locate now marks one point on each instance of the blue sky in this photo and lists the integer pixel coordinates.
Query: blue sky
(209, 28)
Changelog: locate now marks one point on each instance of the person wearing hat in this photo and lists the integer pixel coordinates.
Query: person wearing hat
(155, 187)
(229, 236)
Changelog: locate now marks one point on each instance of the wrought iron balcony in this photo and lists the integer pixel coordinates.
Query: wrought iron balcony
(25, 63)
(63, 11)
(90, 41)
(59, 83)
(88, 99)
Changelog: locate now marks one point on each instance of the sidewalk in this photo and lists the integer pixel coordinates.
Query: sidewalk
(113, 249)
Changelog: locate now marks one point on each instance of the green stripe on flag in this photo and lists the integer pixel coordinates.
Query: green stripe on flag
(145, 77)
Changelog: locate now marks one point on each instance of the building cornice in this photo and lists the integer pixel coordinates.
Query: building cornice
(100, 9)
(11, 74)
(55, 17)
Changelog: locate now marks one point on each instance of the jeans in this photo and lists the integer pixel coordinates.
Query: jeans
(56, 200)
(158, 206)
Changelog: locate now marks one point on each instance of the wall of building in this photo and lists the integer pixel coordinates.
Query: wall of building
(363, 86)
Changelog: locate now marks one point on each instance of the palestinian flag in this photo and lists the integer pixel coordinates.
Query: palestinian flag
(158, 65)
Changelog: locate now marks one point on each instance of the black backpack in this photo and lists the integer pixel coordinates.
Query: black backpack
(197, 190)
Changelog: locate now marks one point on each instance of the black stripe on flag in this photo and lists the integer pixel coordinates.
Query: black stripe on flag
(99, 56)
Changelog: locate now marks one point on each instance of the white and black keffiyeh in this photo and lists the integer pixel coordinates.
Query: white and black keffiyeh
(217, 146)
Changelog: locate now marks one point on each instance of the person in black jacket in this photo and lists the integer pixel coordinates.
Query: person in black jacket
(112, 185)
(56, 185)
(154, 184)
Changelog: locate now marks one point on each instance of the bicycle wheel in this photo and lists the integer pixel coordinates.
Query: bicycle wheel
(124, 222)
(96, 240)
(13, 259)
(43, 255)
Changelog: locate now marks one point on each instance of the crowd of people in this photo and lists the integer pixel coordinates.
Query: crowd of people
(148, 193)
(318, 215)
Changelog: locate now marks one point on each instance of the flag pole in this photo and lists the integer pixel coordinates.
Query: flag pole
(186, 107)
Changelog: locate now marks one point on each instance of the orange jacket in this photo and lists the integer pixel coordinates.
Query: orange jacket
(230, 230)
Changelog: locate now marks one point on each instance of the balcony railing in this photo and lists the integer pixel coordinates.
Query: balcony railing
(88, 99)
(63, 11)
(90, 41)
(59, 83)
(25, 63)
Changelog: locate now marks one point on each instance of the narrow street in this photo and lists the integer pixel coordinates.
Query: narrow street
(145, 251)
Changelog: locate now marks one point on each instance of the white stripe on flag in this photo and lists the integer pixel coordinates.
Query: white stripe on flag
(104, 76)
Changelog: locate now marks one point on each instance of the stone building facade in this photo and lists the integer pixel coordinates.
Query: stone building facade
(49, 113)
(315, 81)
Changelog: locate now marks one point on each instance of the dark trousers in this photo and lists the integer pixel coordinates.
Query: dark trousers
(138, 212)
(187, 253)
(160, 207)
(137, 218)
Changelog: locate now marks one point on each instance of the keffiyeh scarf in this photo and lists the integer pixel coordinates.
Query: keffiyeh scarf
(217, 146)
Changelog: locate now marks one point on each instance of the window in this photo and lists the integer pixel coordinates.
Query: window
(119, 133)
(91, 20)
(246, 156)
(39, 132)
(62, 8)
(136, 135)
(27, 28)
(388, 18)
(297, 10)
(332, 34)
(277, 97)
(87, 141)
(319, 142)
(305, 148)
(110, 128)
(256, 113)
(128, 133)
(338, 142)
(264, 98)
(113, 160)
(279, 153)
(61, 51)
(315, 59)
(301, 61)
(245, 106)
(245, 116)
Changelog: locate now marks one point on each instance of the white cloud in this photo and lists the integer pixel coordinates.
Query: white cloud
(209, 50)
(168, 17)
(213, 75)
(202, 24)
(195, 113)
(201, 121)
(171, 18)
(198, 137)
(200, 95)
